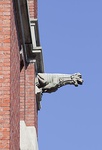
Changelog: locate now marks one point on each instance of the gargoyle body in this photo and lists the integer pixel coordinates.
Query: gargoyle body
(47, 83)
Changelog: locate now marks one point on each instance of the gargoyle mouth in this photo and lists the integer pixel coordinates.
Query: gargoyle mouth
(80, 81)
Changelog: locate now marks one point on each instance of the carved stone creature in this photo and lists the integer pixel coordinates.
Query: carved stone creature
(47, 83)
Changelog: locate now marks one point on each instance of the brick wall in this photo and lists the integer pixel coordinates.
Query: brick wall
(32, 8)
(14, 105)
(22, 94)
(31, 107)
(15, 85)
(4, 73)
(28, 106)
(9, 78)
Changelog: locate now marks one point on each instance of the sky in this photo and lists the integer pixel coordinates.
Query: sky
(71, 38)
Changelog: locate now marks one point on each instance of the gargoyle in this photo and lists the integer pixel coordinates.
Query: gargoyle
(48, 83)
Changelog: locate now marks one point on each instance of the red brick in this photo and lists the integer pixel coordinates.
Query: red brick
(13, 103)
(32, 8)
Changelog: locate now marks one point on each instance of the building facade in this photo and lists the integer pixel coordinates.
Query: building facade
(21, 60)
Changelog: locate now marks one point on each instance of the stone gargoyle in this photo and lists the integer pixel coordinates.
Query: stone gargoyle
(48, 83)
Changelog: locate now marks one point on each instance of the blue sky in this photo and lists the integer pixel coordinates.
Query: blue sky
(71, 38)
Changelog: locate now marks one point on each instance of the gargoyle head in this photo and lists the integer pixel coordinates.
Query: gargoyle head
(77, 79)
